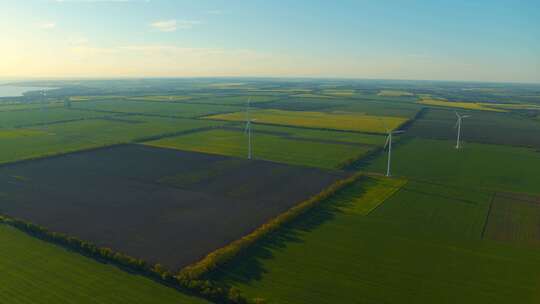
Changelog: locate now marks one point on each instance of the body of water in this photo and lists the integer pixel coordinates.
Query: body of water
(14, 91)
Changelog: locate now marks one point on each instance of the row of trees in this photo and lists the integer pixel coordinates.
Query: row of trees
(222, 255)
(202, 288)
(189, 278)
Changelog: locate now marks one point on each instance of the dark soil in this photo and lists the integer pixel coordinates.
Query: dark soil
(164, 206)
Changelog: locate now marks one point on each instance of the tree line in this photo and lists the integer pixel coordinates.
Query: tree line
(190, 278)
(203, 288)
(224, 254)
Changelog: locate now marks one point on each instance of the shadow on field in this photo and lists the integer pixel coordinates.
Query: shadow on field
(249, 265)
(365, 160)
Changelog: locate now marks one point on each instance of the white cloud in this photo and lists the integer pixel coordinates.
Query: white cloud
(164, 26)
(173, 24)
(47, 25)
(215, 12)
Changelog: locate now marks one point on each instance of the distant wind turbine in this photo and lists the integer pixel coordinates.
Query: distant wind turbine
(458, 126)
(43, 98)
(248, 130)
(389, 145)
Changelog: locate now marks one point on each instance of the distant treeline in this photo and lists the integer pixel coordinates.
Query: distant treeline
(420, 114)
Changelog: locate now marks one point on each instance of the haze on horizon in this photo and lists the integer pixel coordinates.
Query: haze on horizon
(451, 40)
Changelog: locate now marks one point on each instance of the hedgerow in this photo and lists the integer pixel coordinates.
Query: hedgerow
(190, 278)
(224, 254)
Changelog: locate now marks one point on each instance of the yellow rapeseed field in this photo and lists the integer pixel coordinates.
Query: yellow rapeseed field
(332, 120)
(460, 105)
(14, 133)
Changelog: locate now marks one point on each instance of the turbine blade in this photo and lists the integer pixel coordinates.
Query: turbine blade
(398, 132)
(466, 116)
(456, 125)
(457, 114)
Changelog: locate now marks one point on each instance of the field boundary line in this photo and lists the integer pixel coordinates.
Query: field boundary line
(106, 146)
(288, 136)
(152, 114)
(488, 215)
(58, 122)
(61, 154)
(409, 123)
(395, 191)
(173, 134)
(488, 190)
(193, 100)
(516, 196)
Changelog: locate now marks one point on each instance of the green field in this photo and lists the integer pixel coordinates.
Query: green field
(335, 120)
(451, 226)
(475, 166)
(240, 100)
(18, 144)
(21, 106)
(483, 127)
(215, 99)
(265, 146)
(381, 108)
(324, 135)
(422, 245)
(394, 93)
(371, 197)
(34, 271)
(339, 92)
(514, 219)
(303, 104)
(46, 116)
(159, 98)
(175, 109)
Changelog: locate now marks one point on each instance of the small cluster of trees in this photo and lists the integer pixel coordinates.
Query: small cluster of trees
(222, 255)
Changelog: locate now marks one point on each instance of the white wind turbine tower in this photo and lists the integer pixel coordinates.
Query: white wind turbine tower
(248, 130)
(43, 99)
(389, 144)
(458, 126)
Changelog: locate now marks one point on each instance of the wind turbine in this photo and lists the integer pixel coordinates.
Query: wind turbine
(43, 98)
(389, 144)
(458, 126)
(248, 130)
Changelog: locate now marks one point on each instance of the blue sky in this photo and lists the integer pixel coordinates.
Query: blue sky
(445, 40)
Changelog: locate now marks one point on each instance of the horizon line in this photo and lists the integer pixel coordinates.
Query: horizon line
(74, 78)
